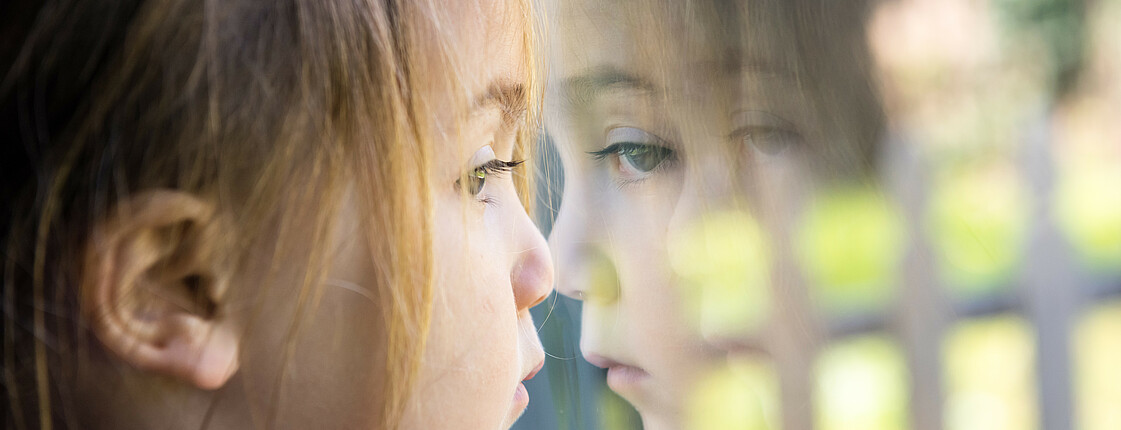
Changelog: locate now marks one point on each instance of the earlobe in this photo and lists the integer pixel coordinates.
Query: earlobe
(153, 285)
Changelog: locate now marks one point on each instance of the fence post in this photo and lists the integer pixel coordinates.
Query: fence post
(1049, 281)
(923, 309)
(794, 331)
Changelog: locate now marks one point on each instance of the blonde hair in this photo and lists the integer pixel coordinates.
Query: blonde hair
(267, 108)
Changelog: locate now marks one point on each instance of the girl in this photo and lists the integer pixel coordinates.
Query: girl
(282, 214)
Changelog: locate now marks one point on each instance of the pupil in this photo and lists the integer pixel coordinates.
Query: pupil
(644, 158)
(476, 181)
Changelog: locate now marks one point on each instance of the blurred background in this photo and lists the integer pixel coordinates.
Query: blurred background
(978, 285)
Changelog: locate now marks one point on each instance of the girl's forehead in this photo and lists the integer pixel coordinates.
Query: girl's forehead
(484, 44)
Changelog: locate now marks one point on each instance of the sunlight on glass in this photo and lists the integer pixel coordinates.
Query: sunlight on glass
(850, 244)
(862, 384)
(723, 263)
(742, 395)
(990, 375)
(1098, 376)
(978, 222)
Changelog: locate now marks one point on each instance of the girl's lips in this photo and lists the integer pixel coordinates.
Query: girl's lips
(521, 394)
(521, 397)
(533, 372)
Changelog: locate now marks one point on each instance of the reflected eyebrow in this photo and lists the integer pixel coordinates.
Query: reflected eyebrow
(757, 65)
(507, 97)
(583, 87)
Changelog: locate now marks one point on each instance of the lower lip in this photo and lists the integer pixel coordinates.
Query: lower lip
(521, 397)
(625, 378)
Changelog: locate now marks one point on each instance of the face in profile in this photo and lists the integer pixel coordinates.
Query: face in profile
(677, 131)
(491, 264)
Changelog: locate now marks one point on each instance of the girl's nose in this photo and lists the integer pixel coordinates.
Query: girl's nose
(532, 275)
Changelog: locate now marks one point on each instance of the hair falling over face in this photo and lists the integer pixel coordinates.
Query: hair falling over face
(269, 118)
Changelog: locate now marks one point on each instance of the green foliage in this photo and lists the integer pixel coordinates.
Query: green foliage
(742, 395)
(1088, 209)
(978, 221)
(850, 246)
(723, 262)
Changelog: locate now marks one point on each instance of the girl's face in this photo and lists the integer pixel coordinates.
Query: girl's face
(491, 264)
(653, 144)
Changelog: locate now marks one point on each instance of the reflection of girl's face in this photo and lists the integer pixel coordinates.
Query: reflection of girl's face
(651, 142)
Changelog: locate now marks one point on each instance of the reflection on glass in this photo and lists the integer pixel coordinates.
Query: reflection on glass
(723, 265)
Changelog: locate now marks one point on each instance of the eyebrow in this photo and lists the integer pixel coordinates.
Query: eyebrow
(585, 86)
(758, 65)
(506, 96)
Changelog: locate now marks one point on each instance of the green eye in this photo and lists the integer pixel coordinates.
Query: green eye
(643, 158)
(475, 181)
(638, 151)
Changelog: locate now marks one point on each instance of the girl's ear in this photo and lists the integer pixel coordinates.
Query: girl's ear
(153, 283)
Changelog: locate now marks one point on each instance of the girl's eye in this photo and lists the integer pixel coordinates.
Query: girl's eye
(475, 180)
(638, 153)
(643, 158)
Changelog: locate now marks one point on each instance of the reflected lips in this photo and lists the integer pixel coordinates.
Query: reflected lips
(620, 377)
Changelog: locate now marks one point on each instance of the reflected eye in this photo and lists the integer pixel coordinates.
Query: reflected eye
(638, 152)
(768, 140)
(765, 132)
(643, 158)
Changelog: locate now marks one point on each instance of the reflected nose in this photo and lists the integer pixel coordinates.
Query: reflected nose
(567, 240)
(532, 276)
(580, 252)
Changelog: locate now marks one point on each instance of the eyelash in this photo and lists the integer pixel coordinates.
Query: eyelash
(613, 149)
(493, 168)
(499, 166)
(617, 148)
